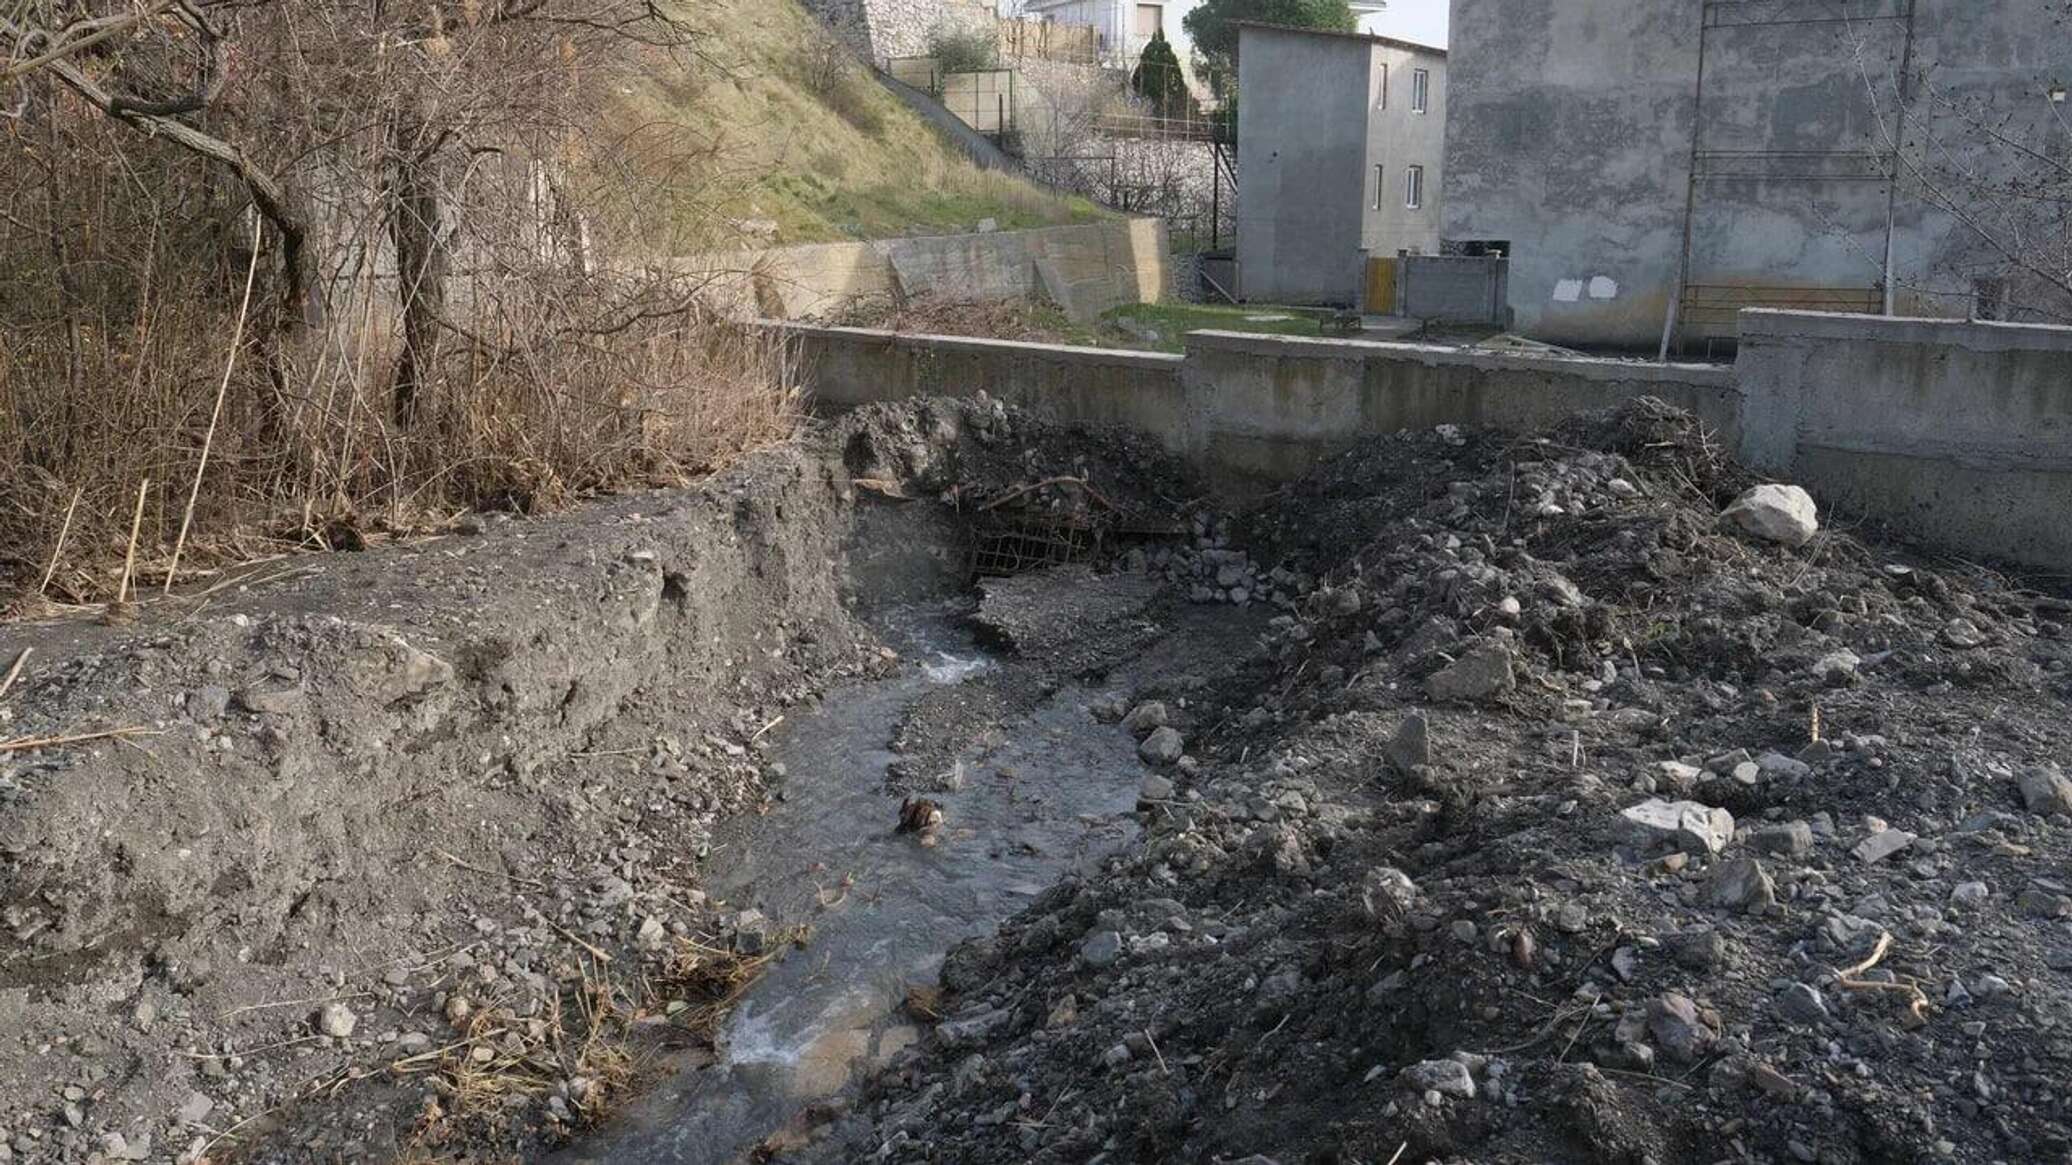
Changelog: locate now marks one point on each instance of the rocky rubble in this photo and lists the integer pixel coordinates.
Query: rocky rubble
(1560, 818)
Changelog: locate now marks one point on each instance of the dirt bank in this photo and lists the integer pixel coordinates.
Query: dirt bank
(403, 855)
(1558, 822)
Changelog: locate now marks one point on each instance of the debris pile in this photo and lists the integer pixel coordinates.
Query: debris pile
(1588, 806)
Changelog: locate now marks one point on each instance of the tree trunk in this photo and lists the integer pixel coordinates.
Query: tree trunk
(422, 264)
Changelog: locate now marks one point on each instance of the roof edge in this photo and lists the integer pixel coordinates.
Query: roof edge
(1368, 37)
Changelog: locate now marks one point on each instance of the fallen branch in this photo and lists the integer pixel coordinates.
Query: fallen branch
(490, 873)
(1917, 1004)
(14, 673)
(25, 743)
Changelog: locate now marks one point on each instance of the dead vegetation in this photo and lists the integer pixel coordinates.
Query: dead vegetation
(291, 276)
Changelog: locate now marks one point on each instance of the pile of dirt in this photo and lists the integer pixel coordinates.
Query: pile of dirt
(1556, 821)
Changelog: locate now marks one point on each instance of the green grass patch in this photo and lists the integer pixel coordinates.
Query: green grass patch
(1163, 327)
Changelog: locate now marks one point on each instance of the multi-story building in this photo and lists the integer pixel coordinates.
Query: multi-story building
(1652, 168)
(1341, 156)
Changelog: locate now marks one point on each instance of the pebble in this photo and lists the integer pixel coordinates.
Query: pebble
(1881, 845)
(2047, 792)
(1801, 1003)
(1411, 746)
(1163, 747)
(1741, 884)
(1102, 949)
(1789, 839)
(337, 1021)
(1444, 1077)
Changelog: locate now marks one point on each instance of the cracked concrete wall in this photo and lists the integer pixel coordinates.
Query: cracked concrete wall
(1570, 136)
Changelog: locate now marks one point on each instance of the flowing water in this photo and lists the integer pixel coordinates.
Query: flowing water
(1058, 791)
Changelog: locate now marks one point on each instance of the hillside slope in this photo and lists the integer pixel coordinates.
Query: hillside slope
(795, 136)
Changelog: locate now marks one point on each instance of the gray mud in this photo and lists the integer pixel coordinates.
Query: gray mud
(1057, 791)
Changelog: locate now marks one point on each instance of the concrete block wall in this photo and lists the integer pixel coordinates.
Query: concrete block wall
(1957, 433)
(1084, 269)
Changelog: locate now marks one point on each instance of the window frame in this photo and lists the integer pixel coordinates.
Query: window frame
(1413, 188)
(1381, 186)
(1137, 8)
(1420, 91)
(1381, 100)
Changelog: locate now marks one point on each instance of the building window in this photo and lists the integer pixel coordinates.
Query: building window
(1420, 90)
(1381, 90)
(1150, 18)
(1380, 188)
(1413, 187)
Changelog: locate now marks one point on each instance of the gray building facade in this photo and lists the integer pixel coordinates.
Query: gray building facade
(1641, 159)
(1341, 154)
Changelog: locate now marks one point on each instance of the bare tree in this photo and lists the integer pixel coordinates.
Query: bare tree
(456, 216)
(1983, 161)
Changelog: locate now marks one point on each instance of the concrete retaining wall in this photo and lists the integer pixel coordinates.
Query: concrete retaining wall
(1084, 269)
(1255, 410)
(1956, 433)
(1267, 408)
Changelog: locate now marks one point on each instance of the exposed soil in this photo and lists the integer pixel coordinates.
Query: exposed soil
(422, 854)
(403, 853)
(1341, 943)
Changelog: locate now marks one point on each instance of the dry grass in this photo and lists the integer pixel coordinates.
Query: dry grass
(806, 140)
(543, 359)
(595, 1036)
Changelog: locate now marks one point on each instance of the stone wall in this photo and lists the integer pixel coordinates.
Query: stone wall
(879, 30)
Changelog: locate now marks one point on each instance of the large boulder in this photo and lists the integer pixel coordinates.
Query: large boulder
(1775, 513)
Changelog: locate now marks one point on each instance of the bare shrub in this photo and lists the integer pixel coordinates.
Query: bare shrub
(453, 306)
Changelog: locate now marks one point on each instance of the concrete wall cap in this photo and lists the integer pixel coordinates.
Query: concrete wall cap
(1588, 367)
(1976, 335)
(1065, 353)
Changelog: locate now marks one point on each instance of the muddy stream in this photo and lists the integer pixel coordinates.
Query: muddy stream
(1037, 793)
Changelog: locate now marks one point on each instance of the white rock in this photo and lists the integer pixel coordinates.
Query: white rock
(1777, 513)
(1445, 1077)
(337, 1021)
(1691, 826)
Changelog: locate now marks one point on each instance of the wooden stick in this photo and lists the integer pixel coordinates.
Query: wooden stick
(58, 551)
(208, 441)
(14, 673)
(129, 558)
(24, 743)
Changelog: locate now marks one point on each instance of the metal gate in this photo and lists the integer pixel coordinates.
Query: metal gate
(1454, 289)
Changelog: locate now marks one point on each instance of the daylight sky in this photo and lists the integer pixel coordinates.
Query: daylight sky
(1423, 21)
